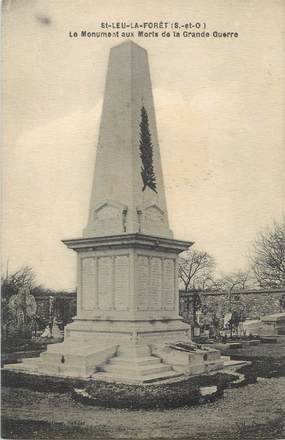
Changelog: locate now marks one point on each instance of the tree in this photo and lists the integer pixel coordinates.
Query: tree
(146, 153)
(196, 274)
(240, 280)
(235, 303)
(11, 283)
(268, 256)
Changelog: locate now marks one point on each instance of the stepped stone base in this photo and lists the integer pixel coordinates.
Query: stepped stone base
(123, 351)
(135, 364)
(66, 361)
(128, 362)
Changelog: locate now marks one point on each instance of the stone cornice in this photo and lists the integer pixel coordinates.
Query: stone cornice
(128, 241)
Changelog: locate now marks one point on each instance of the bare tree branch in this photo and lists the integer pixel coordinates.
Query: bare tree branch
(268, 256)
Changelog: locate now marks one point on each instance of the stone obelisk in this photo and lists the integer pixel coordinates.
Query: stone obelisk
(127, 296)
(128, 210)
(127, 260)
(128, 192)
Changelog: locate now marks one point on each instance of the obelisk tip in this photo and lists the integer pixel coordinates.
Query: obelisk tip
(129, 43)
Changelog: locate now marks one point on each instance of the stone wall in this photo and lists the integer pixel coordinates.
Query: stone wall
(251, 306)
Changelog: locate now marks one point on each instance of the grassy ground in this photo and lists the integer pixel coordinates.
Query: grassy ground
(261, 351)
(253, 412)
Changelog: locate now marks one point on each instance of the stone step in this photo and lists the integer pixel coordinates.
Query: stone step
(77, 372)
(234, 345)
(49, 369)
(225, 358)
(63, 370)
(137, 379)
(133, 370)
(48, 356)
(130, 351)
(37, 366)
(32, 361)
(252, 342)
(140, 361)
(234, 363)
(21, 366)
(17, 366)
(215, 365)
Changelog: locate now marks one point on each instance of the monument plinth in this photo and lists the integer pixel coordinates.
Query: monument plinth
(127, 287)
(127, 297)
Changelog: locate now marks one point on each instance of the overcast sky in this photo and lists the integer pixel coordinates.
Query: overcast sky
(220, 115)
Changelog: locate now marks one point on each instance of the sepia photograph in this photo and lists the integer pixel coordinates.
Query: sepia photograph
(143, 220)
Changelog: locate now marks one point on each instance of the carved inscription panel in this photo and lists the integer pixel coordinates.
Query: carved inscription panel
(88, 283)
(168, 292)
(155, 283)
(108, 219)
(106, 212)
(105, 283)
(143, 283)
(122, 283)
(153, 214)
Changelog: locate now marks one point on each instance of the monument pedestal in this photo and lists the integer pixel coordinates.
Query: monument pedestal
(127, 315)
(127, 303)
(127, 289)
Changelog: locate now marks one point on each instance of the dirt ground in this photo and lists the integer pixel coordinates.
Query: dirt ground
(255, 411)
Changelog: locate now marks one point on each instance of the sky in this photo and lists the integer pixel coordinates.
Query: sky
(220, 116)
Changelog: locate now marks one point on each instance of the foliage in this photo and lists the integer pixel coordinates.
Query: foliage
(11, 283)
(212, 313)
(21, 314)
(146, 153)
(164, 396)
(17, 304)
(234, 302)
(240, 280)
(13, 345)
(268, 256)
(119, 395)
(237, 317)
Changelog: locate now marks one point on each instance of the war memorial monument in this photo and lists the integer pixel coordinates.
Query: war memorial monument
(127, 326)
